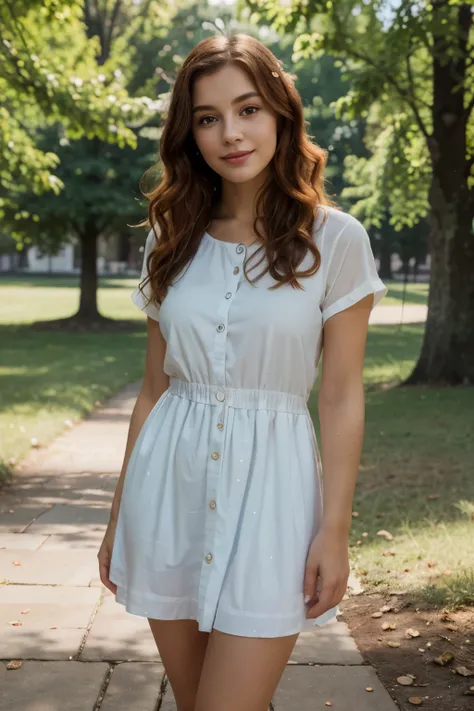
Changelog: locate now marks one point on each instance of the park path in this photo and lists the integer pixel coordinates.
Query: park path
(80, 650)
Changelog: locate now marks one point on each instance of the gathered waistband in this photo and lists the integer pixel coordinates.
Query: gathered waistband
(238, 397)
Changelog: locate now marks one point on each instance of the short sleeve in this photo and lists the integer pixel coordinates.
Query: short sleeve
(351, 273)
(141, 298)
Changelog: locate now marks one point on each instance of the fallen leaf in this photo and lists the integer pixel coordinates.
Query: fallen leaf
(415, 700)
(464, 671)
(15, 623)
(377, 614)
(388, 536)
(379, 515)
(355, 514)
(432, 497)
(469, 691)
(386, 608)
(389, 551)
(410, 632)
(328, 703)
(443, 659)
(16, 562)
(405, 680)
(368, 688)
(393, 644)
(388, 626)
(14, 664)
(53, 628)
(25, 612)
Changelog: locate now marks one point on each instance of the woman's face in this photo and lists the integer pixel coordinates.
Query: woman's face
(230, 116)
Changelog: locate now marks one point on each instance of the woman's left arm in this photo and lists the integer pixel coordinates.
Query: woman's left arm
(341, 410)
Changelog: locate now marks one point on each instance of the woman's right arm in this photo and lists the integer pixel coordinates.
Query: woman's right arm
(154, 384)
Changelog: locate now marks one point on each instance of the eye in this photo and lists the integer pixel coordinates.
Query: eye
(203, 121)
(251, 108)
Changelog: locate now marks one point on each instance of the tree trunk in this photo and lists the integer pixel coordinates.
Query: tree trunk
(88, 284)
(447, 354)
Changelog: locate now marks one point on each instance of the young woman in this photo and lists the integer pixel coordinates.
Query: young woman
(221, 532)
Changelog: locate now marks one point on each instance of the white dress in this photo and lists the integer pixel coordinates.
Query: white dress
(223, 492)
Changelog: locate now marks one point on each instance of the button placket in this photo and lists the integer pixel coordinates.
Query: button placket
(211, 575)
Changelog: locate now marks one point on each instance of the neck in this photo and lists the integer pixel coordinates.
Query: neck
(238, 200)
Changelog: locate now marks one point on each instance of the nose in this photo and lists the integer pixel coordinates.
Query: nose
(231, 133)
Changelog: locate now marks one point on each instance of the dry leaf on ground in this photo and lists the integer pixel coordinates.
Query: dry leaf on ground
(14, 664)
(415, 700)
(444, 659)
(405, 680)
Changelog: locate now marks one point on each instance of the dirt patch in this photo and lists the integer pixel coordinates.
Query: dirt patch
(441, 688)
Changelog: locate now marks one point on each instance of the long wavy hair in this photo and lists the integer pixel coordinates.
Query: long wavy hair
(182, 204)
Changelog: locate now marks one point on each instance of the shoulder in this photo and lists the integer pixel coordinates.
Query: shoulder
(334, 229)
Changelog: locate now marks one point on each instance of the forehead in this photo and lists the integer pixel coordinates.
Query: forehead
(220, 87)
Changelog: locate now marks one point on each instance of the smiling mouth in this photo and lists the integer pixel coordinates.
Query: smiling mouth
(237, 157)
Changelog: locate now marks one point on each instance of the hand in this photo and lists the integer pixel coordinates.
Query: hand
(105, 556)
(327, 571)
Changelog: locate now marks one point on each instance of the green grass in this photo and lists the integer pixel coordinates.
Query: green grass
(49, 377)
(416, 293)
(416, 479)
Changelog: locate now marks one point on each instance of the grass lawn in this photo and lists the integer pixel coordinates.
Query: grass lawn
(48, 377)
(416, 293)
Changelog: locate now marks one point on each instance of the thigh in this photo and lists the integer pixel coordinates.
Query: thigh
(182, 649)
(242, 673)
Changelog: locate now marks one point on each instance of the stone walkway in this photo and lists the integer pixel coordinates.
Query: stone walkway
(80, 650)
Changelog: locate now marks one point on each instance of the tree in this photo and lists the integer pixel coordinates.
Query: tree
(416, 75)
(85, 132)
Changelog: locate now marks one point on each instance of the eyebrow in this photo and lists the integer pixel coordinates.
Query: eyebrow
(237, 100)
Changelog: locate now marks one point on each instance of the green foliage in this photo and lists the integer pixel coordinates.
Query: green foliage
(386, 53)
(49, 74)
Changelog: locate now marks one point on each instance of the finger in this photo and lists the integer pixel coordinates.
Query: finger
(310, 581)
(327, 599)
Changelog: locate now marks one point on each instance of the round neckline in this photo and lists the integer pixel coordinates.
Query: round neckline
(231, 244)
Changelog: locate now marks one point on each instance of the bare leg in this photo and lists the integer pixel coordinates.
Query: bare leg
(241, 673)
(182, 649)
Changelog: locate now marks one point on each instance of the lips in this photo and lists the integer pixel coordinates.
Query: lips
(239, 154)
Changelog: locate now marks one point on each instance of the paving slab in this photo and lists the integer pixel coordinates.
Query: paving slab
(330, 644)
(90, 540)
(134, 685)
(51, 686)
(73, 567)
(20, 517)
(304, 688)
(68, 610)
(72, 518)
(21, 541)
(396, 314)
(116, 635)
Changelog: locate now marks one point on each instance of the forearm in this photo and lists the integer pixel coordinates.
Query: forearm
(143, 406)
(342, 431)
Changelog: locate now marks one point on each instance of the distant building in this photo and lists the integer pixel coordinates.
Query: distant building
(117, 255)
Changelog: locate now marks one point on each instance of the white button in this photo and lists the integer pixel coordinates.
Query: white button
(228, 295)
(220, 396)
(240, 249)
(236, 270)
(212, 504)
(220, 327)
(215, 455)
(208, 558)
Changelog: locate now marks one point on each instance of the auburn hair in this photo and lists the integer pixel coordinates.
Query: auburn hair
(181, 206)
